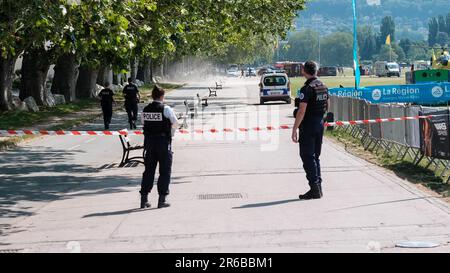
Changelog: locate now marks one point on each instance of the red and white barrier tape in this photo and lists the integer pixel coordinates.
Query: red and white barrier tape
(380, 120)
(199, 131)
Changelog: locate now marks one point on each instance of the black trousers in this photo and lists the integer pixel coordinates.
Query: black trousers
(158, 151)
(132, 111)
(107, 114)
(310, 139)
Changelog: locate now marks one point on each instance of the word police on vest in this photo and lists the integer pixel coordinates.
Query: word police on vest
(152, 116)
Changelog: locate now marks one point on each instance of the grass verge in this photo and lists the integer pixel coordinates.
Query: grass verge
(14, 120)
(404, 169)
(17, 119)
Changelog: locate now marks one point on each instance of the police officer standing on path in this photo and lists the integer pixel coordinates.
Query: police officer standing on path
(107, 100)
(314, 103)
(160, 123)
(132, 98)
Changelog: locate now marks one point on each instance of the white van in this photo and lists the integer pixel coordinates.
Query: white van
(275, 87)
(387, 69)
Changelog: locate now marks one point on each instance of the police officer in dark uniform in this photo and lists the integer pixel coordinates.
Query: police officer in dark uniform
(160, 122)
(132, 98)
(107, 100)
(314, 103)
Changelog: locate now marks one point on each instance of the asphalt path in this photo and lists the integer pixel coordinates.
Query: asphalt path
(233, 191)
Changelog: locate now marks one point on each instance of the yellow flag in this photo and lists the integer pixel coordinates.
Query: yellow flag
(388, 39)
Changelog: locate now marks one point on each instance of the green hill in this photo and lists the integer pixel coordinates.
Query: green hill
(411, 17)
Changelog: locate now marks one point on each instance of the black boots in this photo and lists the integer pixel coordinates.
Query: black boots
(162, 202)
(314, 193)
(144, 202)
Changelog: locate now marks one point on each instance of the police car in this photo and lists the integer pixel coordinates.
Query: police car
(275, 86)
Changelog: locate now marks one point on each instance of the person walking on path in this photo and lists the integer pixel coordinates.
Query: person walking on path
(107, 99)
(132, 98)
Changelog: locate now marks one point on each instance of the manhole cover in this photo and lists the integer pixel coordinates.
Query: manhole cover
(220, 196)
(417, 245)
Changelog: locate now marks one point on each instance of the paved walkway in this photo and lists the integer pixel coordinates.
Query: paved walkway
(230, 193)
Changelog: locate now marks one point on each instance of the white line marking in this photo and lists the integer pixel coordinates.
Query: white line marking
(90, 140)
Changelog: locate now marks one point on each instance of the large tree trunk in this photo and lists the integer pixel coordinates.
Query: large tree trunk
(66, 75)
(87, 82)
(151, 71)
(104, 76)
(35, 68)
(6, 78)
(133, 69)
(140, 72)
(145, 71)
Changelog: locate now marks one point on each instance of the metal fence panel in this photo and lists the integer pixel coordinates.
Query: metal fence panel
(333, 105)
(374, 113)
(340, 108)
(345, 104)
(386, 128)
(353, 108)
(398, 127)
(413, 127)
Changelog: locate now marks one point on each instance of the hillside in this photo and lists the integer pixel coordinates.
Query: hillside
(411, 17)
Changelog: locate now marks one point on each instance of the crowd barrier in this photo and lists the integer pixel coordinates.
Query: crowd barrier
(402, 138)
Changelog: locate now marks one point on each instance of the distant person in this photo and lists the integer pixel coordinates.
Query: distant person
(309, 128)
(107, 99)
(132, 98)
(242, 73)
(160, 122)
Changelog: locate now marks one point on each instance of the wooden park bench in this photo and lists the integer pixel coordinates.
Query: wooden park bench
(202, 101)
(212, 92)
(219, 86)
(127, 148)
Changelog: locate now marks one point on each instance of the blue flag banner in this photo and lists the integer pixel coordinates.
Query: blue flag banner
(427, 93)
(355, 48)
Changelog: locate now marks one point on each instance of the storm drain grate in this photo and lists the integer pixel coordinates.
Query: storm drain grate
(9, 251)
(220, 196)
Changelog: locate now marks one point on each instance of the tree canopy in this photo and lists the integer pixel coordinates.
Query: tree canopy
(113, 32)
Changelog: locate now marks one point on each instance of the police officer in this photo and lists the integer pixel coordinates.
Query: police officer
(160, 123)
(107, 100)
(314, 102)
(132, 98)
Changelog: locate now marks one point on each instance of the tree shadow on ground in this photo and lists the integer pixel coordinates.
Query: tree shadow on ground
(45, 174)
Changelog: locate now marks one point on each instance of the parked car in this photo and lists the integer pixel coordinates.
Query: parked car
(264, 70)
(250, 72)
(275, 87)
(328, 71)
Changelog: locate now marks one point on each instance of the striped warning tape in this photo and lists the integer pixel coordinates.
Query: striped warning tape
(201, 131)
(380, 120)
